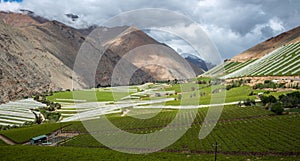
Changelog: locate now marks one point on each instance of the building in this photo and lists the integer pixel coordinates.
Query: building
(39, 140)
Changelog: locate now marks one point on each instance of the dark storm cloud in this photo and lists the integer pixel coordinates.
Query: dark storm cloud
(233, 25)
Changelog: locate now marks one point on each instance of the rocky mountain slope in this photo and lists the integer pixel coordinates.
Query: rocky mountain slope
(269, 45)
(28, 66)
(38, 55)
(198, 62)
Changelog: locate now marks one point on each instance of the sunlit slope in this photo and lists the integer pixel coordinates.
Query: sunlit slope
(284, 61)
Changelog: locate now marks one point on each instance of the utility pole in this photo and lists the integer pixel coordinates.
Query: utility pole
(216, 149)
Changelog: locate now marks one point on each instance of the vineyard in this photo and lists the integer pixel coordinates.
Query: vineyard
(239, 130)
(75, 153)
(280, 62)
(24, 134)
(18, 112)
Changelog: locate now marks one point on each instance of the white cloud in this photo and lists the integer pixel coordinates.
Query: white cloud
(189, 38)
(276, 25)
(233, 25)
(10, 6)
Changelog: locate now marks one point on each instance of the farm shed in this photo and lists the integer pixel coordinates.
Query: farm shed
(39, 139)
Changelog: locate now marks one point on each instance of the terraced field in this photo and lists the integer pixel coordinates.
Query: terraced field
(240, 130)
(96, 102)
(228, 67)
(75, 110)
(18, 112)
(280, 62)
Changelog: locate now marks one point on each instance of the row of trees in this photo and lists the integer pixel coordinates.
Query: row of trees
(237, 83)
(290, 100)
(268, 84)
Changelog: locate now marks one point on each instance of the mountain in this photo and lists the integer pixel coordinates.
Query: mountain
(278, 56)
(192, 59)
(269, 45)
(29, 57)
(153, 57)
(38, 55)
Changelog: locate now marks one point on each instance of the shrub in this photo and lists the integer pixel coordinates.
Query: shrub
(249, 102)
(277, 108)
(290, 100)
(179, 96)
(268, 99)
(251, 93)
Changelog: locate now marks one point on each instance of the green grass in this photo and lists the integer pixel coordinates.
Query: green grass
(237, 94)
(164, 117)
(232, 95)
(277, 94)
(2, 143)
(71, 153)
(240, 129)
(294, 110)
(24, 134)
(90, 96)
(267, 134)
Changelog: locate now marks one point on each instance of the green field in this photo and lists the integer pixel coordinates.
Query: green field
(89, 96)
(189, 96)
(240, 129)
(24, 134)
(232, 95)
(8, 153)
(2, 143)
(242, 133)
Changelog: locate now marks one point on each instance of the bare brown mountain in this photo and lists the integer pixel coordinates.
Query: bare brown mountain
(157, 59)
(27, 58)
(37, 55)
(269, 45)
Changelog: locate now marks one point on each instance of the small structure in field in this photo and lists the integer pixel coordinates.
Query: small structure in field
(39, 140)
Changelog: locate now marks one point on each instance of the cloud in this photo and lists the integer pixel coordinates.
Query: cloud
(233, 25)
(188, 38)
(9, 6)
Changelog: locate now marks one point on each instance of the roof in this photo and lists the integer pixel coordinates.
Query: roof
(39, 137)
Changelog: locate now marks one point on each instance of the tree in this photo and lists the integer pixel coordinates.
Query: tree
(175, 81)
(249, 102)
(272, 99)
(268, 99)
(179, 96)
(277, 108)
(57, 106)
(290, 100)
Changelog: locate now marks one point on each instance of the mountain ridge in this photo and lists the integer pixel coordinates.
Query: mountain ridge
(267, 46)
(39, 56)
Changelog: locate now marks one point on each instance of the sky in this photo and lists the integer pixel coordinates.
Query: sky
(232, 25)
